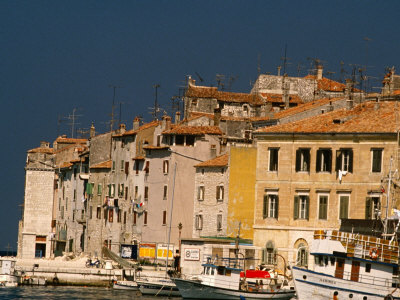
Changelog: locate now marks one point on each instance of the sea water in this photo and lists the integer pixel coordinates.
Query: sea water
(70, 293)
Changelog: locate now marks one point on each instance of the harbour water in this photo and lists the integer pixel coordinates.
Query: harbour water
(68, 292)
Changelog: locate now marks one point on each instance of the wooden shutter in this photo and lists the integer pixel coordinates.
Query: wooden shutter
(338, 160)
(307, 207)
(276, 206)
(329, 160)
(350, 160)
(265, 206)
(127, 167)
(318, 164)
(217, 193)
(296, 207)
(298, 159)
(368, 208)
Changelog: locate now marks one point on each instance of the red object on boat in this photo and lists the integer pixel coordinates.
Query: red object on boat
(255, 274)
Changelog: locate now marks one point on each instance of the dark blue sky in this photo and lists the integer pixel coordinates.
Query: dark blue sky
(59, 55)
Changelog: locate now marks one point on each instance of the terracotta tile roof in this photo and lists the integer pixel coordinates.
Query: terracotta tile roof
(102, 165)
(279, 98)
(303, 107)
(212, 92)
(65, 164)
(196, 115)
(363, 118)
(70, 140)
(155, 147)
(42, 150)
(133, 132)
(396, 92)
(220, 161)
(194, 130)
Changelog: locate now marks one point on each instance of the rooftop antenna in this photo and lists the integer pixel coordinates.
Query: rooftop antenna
(342, 71)
(155, 109)
(220, 81)
(73, 118)
(259, 64)
(112, 121)
(198, 76)
(329, 75)
(285, 59)
(230, 81)
(120, 112)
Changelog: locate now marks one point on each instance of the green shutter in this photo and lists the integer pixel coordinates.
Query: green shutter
(296, 207)
(368, 208)
(265, 207)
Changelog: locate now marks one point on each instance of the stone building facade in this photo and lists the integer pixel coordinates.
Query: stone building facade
(211, 197)
(312, 173)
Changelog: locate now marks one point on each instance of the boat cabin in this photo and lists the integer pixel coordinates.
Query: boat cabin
(221, 276)
(356, 257)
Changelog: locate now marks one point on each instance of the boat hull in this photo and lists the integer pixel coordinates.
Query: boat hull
(126, 285)
(313, 285)
(196, 290)
(7, 280)
(158, 288)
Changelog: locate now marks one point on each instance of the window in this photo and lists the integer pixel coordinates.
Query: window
(113, 166)
(367, 268)
(136, 192)
(145, 218)
(164, 217)
(344, 206)
(199, 222)
(190, 140)
(179, 139)
(62, 212)
(110, 215)
(147, 168)
(273, 159)
(111, 190)
(268, 254)
(220, 193)
(376, 160)
(119, 216)
(165, 166)
(134, 217)
(344, 160)
(98, 212)
(323, 207)
(99, 189)
(219, 222)
(121, 190)
(303, 160)
(301, 207)
(75, 193)
(372, 207)
(270, 206)
(124, 217)
(126, 193)
(302, 256)
(146, 193)
(90, 212)
(324, 160)
(137, 167)
(200, 193)
(122, 165)
(165, 193)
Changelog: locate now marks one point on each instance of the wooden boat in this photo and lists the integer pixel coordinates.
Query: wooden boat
(224, 282)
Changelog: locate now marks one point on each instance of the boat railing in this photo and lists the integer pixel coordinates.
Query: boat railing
(374, 280)
(363, 246)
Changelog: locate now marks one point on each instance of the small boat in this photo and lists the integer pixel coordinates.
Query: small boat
(158, 286)
(8, 275)
(224, 282)
(125, 285)
(349, 266)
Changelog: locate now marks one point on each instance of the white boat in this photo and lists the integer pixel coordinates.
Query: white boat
(349, 266)
(223, 282)
(8, 276)
(158, 286)
(125, 285)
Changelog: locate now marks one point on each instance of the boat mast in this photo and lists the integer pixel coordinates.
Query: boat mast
(385, 229)
(170, 221)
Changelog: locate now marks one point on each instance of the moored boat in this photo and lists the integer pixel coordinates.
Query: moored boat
(8, 275)
(158, 286)
(125, 285)
(349, 266)
(224, 282)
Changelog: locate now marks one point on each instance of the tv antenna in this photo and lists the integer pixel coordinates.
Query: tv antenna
(112, 121)
(72, 118)
(220, 81)
(198, 76)
(285, 60)
(155, 109)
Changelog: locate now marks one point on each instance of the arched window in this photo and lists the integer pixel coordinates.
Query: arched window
(302, 254)
(269, 251)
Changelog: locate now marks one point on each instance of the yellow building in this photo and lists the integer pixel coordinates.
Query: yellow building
(242, 176)
(312, 173)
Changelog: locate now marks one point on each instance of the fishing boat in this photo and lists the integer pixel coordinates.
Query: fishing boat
(8, 275)
(224, 282)
(158, 286)
(349, 266)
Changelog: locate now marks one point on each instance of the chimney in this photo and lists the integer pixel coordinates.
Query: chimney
(191, 81)
(166, 122)
(92, 131)
(349, 104)
(279, 71)
(44, 144)
(177, 117)
(136, 123)
(320, 71)
(122, 128)
(349, 87)
(217, 116)
(376, 104)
